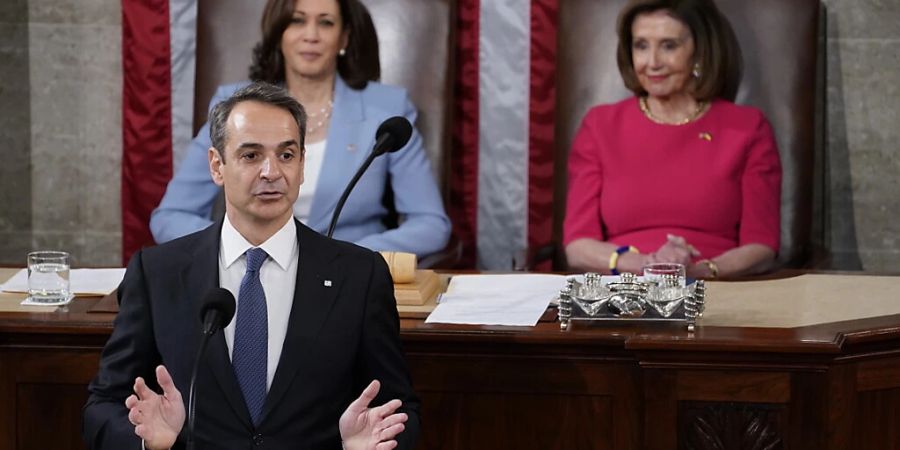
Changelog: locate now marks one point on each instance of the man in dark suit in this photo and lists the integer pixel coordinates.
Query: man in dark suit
(316, 319)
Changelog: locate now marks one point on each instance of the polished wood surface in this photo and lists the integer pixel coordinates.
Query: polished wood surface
(620, 386)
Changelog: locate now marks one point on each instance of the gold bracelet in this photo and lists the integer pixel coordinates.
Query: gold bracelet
(713, 268)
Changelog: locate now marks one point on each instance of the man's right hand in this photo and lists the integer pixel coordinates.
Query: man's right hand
(157, 419)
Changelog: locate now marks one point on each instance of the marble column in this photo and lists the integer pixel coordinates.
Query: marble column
(862, 157)
(76, 139)
(15, 136)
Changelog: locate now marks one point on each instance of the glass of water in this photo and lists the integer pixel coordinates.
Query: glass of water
(666, 284)
(655, 272)
(48, 276)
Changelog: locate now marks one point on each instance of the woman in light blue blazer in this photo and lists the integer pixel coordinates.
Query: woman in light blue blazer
(325, 52)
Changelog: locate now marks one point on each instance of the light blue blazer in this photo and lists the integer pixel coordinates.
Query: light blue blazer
(424, 226)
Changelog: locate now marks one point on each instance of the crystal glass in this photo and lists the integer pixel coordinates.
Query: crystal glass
(666, 283)
(48, 276)
(653, 273)
(592, 289)
(592, 294)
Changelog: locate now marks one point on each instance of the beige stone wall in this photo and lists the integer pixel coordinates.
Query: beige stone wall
(60, 125)
(862, 151)
(15, 135)
(67, 172)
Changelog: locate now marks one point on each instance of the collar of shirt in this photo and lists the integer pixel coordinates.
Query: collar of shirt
(279, 247)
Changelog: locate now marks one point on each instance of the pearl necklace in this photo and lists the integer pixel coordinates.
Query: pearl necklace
(645, 108)
(323, 114)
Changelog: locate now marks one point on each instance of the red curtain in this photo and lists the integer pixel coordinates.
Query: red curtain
(146, 117)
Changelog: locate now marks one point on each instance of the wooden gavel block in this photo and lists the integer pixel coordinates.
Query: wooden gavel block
(402, 266)
(411, 286)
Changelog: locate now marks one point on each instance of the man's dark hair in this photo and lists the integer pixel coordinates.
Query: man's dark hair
(357, 67)
(255, 92)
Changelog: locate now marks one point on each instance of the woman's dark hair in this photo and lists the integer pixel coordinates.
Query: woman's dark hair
(357, 67)
(715, 45)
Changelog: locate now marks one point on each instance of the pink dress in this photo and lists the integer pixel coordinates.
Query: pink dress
(715, 181)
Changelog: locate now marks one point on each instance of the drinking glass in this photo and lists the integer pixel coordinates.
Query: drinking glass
(666, 286)
(48, 276)
(655, 272)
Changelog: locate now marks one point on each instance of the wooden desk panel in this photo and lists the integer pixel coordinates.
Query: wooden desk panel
(832, 386)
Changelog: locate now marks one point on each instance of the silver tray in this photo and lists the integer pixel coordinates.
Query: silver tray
(630, 300)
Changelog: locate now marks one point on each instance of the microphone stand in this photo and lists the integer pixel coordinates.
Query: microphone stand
(391, 136)
(343, 199)
(192, 404)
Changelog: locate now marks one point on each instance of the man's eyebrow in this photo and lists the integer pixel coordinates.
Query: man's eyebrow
(257, 145)
(251, 145)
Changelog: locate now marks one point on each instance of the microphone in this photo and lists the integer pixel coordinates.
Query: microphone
(392, 135)
(216, 311)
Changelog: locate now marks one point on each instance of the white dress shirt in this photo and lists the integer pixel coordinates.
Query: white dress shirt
(312, 167)
(278, 276)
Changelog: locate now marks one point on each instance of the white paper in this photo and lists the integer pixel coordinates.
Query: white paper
(81, 281)
(515, 300)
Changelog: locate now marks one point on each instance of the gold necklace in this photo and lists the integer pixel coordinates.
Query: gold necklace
(645, 108)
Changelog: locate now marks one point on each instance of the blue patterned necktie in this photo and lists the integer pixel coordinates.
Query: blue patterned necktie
(249, 356)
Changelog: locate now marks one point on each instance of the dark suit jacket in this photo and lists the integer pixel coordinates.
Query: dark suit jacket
(339, 338)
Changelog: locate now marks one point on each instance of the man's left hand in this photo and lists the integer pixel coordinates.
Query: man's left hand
(364, 428)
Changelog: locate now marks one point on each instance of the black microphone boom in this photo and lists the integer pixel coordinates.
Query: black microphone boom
(392, 135)
(216, 312)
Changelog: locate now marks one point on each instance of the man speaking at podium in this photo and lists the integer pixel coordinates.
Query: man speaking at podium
(316, 319)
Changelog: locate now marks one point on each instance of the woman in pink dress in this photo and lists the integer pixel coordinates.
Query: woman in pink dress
(676, 173)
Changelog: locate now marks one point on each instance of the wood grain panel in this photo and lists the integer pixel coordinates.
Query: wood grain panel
(877, 420)
(7, 401)
(516, 421)
(841, 397)
(660, 409)
(56, 366)
(878, 374)
(462, 373)
(42, 392)
(727, 386)
(58, 404)
(807, 411)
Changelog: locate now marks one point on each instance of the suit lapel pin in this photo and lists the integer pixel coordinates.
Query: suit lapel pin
(327, 283)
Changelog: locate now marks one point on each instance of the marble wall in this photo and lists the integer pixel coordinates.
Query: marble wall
(60, 124)
(15, 135)
(862, 145)
(65, 83)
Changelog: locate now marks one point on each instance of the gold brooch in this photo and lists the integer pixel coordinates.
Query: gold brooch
(705, 136)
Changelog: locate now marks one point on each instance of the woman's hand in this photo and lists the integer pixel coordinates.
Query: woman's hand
(703, 269)
(676, 250)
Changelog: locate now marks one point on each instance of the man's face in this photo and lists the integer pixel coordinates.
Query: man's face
(263, 166)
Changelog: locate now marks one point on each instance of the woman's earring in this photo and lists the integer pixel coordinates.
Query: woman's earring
(342, 52)
(696, 72)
